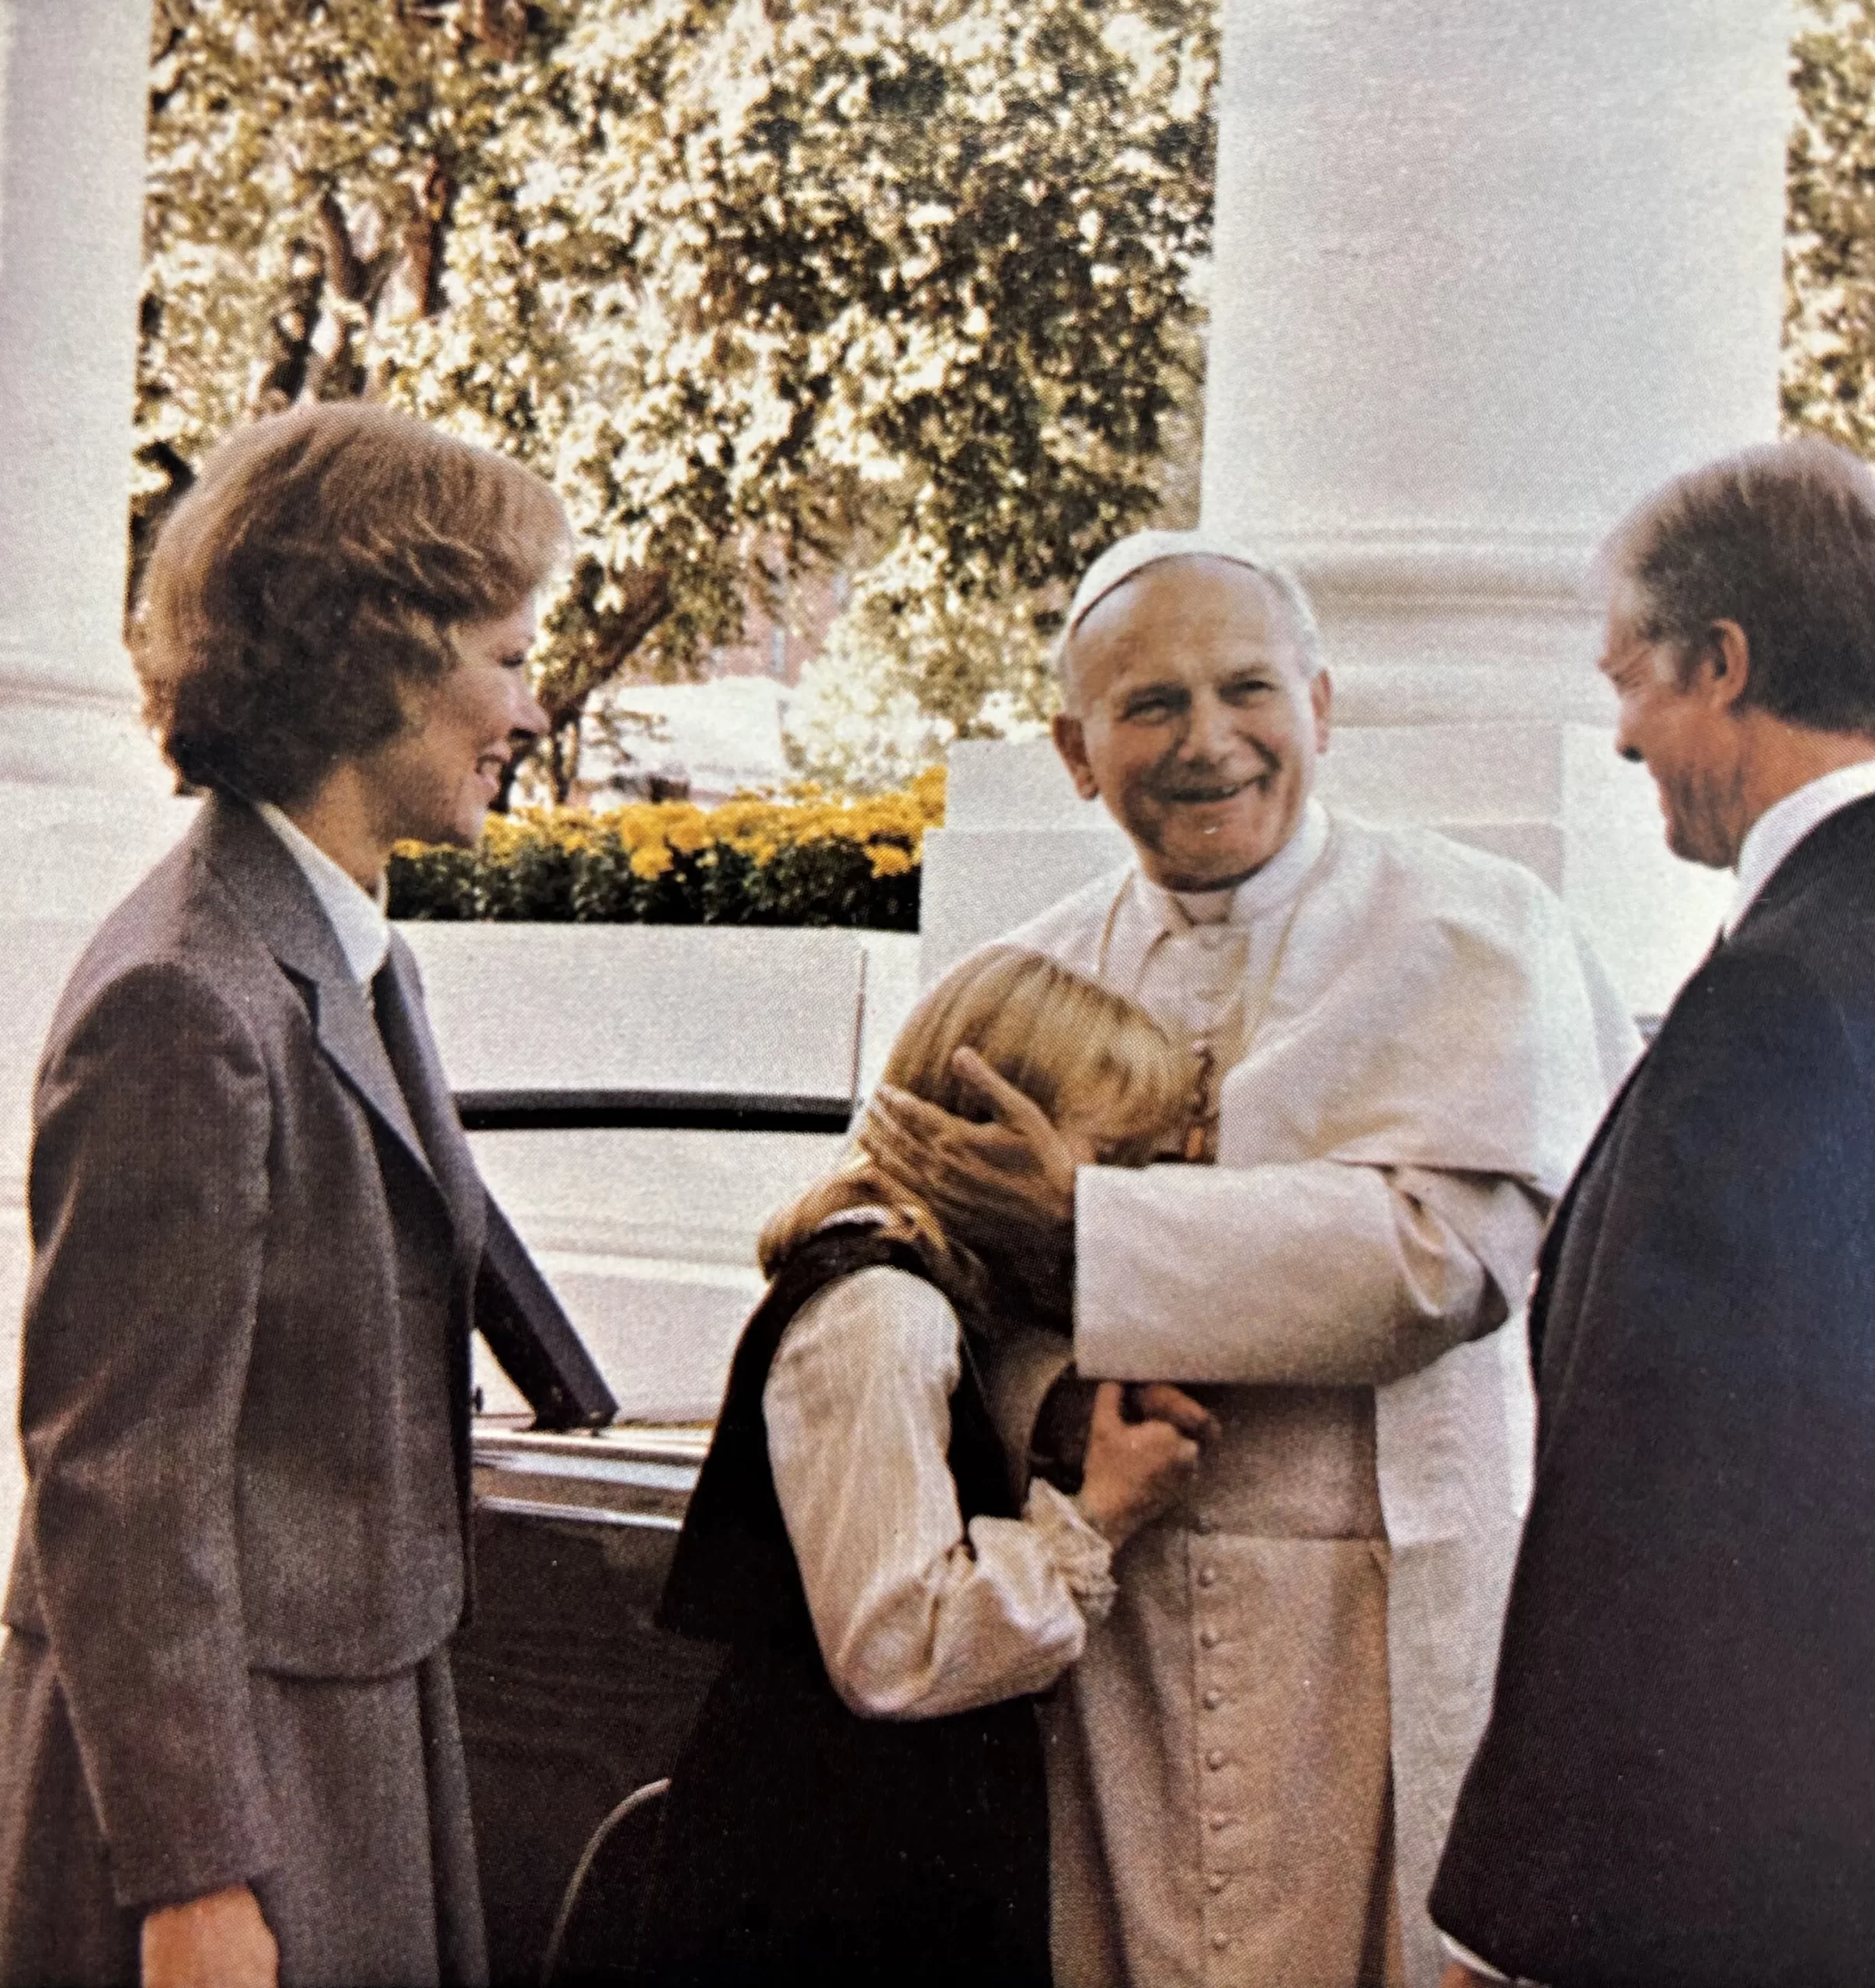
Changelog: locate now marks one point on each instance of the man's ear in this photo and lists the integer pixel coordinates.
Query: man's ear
(1321, 696)
(1071, 743)
(1723, 667)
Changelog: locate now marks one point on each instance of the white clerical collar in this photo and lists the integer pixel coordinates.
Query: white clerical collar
(1780, 828)
(1275, 884)
(357, 918)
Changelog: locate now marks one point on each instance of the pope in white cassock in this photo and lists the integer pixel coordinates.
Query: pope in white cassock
(1404, 1045)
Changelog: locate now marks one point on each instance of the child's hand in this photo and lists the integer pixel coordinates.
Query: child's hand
(1161, 1401)
(1135, 1470)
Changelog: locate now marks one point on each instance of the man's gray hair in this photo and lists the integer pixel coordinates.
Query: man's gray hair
(1780, 539)
(1128, 556)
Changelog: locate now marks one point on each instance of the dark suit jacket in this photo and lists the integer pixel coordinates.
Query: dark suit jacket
(1677, 1783)
(244, 1401)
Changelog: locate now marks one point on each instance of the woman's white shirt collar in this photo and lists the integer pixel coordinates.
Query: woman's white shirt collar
(356, 917)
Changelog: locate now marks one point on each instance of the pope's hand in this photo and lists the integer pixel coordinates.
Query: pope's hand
(1005, 1189)
(1017, 1167)
(218, 1940)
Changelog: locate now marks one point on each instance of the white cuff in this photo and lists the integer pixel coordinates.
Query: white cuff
(1079, 1549)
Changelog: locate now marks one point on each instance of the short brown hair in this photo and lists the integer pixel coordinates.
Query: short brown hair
(1781, 540)
(316, 567)
(1061, 1039)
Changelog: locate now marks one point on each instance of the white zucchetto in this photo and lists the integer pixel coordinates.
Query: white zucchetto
(1127, 556)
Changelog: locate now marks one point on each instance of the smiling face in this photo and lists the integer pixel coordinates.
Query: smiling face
(1191, 714)
(1687, 735)
(433, 782)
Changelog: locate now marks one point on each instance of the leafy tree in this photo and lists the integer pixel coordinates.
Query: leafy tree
(1829, 259)
(759, 286)
(909, 666)
(917, 661)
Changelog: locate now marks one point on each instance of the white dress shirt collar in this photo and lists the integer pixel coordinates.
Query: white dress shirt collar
(357, 918)
(1275, 884)
(1780, 828)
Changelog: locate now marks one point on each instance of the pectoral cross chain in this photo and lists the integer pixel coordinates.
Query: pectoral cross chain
(1201, 1132)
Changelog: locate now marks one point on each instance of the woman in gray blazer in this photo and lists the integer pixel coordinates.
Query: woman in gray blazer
(228, 1743)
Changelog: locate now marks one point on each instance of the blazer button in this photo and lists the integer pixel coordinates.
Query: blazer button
(1201, 1524)
(1207, 1577)
(1216, 1883)
(1208, 1639)
(1213, 1700)
(1219, 1941)
(1216, 1758)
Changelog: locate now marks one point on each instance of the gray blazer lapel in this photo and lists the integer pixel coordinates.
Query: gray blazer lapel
(342, 1018)
(274, 894)
(431, 1103)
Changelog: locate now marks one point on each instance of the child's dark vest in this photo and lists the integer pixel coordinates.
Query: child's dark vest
(800, 1841)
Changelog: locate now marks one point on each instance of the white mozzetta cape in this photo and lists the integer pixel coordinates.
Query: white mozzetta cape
(1429, 1044)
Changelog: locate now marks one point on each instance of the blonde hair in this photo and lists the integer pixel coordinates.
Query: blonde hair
(1062, 1040)
(318, 564)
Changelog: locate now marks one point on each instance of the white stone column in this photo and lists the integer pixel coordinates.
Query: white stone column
(83, 794)
(1486, 271)
(72, 98)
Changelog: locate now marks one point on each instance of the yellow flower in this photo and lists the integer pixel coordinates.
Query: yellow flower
(502, 836)
(650, 860)
(889, 859)
(928, 790)
(638, 827)
(687, 828)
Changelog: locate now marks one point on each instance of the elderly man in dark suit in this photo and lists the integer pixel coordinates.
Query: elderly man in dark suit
(228, 1738)
(1677, 1786)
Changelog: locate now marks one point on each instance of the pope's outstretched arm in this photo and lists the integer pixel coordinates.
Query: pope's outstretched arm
(1308, 1273)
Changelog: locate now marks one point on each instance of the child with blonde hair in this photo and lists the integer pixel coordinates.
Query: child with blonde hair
(862, 1800)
